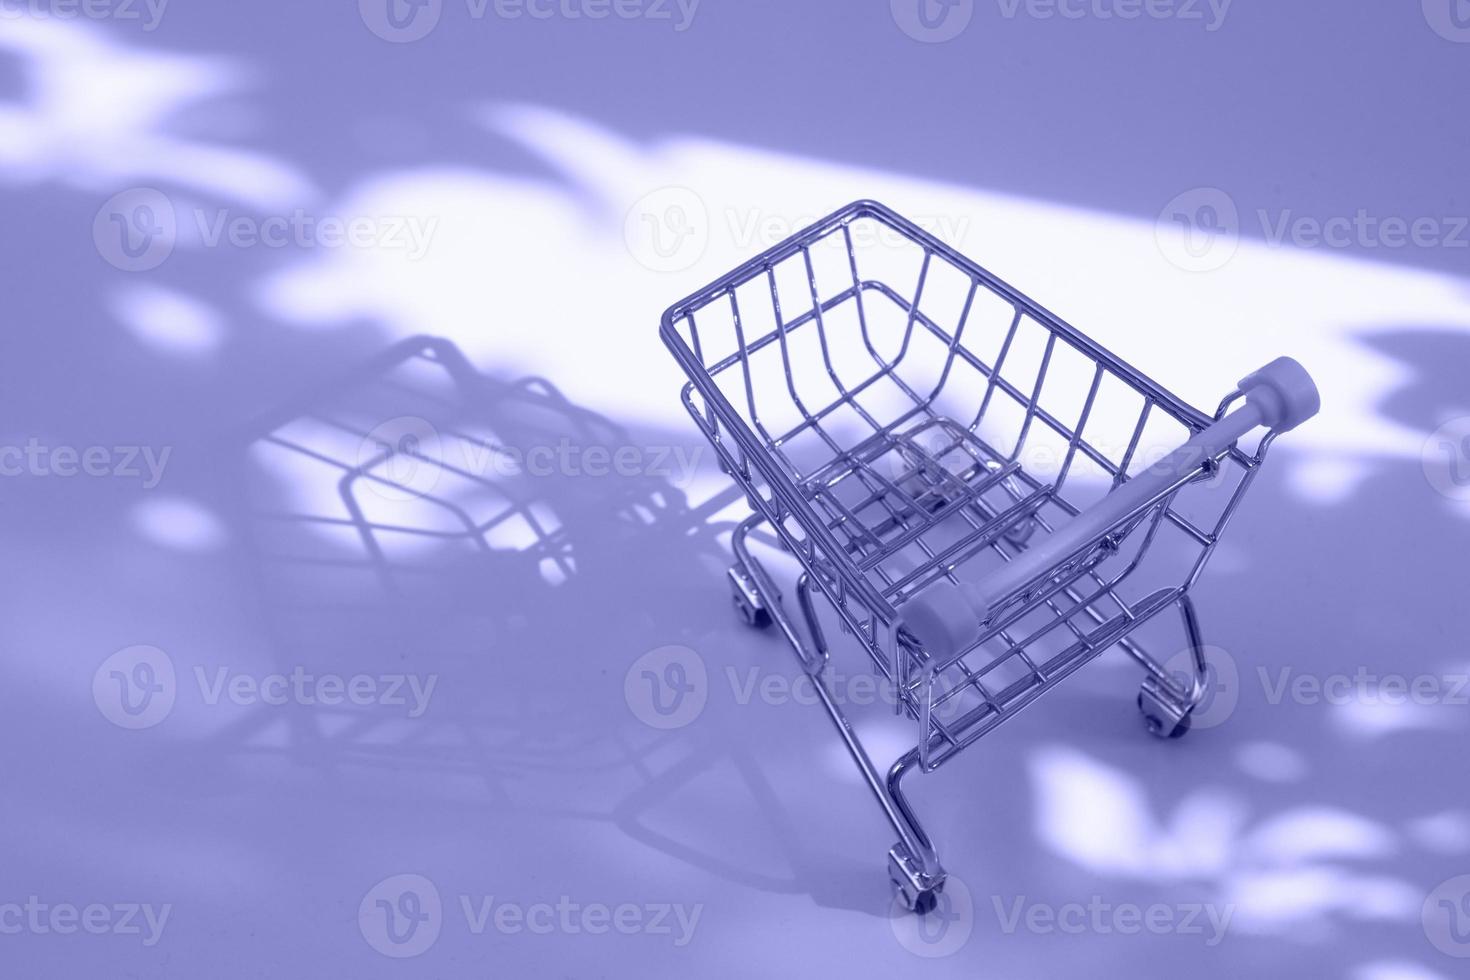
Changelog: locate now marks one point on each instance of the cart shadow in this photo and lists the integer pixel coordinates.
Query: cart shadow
(400, 521)
(416, 512)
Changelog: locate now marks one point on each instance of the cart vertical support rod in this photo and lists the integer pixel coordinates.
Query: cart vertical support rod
(888, 792)
(924, 853)
(1196, 646)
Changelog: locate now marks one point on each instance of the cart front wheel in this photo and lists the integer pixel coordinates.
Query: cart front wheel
(915, 891)
(1159, 724)
(919, 902)
(926, 901)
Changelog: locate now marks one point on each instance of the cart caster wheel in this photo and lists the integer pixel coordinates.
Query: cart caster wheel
(754, 617)
(919, 902)
(926, 901)
(1160, 725)
(915, 891)
(747, 600)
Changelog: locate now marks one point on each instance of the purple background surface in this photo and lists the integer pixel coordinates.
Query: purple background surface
(1058, 150)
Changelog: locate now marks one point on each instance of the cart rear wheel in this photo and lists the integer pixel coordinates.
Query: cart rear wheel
(923, 902)
(755, 617)
(747, 599)
(927, 901)
(1163, 727)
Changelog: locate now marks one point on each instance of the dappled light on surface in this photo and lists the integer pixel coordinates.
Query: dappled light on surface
(1280, 873)
(1104, 272)
(1445, 833)
(169, 321)
(98, 116)
(1377, 717)
(1122, 835)
(1271, 762)
(179, 523)
(1396, 970)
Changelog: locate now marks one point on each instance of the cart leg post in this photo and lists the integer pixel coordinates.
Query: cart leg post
(913, 864)
(1166, 709)
(804, 589)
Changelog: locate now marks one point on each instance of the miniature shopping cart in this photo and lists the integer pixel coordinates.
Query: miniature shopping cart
(987, 499)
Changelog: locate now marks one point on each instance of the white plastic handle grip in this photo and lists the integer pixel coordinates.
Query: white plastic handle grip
(945, 618)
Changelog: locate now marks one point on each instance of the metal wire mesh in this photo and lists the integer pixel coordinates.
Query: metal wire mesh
(902, 416)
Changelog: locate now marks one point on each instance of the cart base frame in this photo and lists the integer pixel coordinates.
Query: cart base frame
(914, 868)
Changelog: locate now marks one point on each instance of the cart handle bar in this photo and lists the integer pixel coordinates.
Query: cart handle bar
(946, 618)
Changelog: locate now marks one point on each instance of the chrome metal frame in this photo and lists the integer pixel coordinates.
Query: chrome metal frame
(881, 516)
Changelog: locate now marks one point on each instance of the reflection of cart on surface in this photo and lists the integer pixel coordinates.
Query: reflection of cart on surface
(417, 515)
(988, 499)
